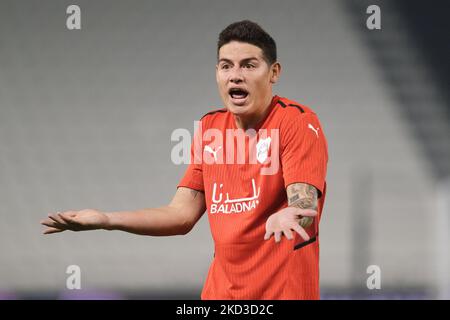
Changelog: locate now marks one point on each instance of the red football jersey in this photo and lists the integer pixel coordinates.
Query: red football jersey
(244, 179)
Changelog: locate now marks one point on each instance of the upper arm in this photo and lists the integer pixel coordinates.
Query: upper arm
(190, 204)
(304, 153)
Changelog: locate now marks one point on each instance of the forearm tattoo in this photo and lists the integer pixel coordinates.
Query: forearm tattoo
(304, 196)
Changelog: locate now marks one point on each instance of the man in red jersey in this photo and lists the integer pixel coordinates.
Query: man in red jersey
(258, 168)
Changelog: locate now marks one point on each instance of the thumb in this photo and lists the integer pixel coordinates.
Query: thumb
(307, 212)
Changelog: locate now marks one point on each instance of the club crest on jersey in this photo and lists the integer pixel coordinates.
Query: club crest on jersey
(262, 149)
(238, 205)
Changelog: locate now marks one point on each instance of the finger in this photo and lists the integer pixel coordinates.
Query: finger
(56, 218)
(52, 230)
(46, 221)
(51, 223)
(268, 235)
(288, 234)
(55, 223)
(278, 236)
(300, 231)
(66, 219)
(305, 222)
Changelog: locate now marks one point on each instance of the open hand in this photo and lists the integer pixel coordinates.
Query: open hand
(286, 220)
(87, 219)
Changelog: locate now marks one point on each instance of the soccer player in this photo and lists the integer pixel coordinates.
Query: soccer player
(258, 168)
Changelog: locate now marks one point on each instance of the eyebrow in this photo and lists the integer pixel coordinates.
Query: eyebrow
(242, 61)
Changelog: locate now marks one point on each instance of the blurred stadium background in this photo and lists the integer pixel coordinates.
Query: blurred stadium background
(86, 118)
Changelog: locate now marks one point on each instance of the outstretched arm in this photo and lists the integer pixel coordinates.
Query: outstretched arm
(177, 218)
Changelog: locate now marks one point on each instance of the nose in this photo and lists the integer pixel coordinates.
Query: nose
(236, 77)
(235, 80)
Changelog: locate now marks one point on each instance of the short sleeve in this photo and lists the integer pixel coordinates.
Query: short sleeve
(304, 151)
(193, 176)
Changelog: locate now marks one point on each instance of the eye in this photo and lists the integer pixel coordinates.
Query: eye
(225, 66)
(249, 66)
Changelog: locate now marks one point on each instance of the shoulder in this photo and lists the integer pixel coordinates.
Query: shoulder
(291, 108)
(293, 113)
(214, 115)
(298, 122)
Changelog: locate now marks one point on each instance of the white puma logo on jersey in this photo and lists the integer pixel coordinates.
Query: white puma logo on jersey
(214, 153)
(316, 131)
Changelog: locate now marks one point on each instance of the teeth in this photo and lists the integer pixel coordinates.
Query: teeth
(238, 93)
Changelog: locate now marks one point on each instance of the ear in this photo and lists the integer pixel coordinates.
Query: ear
(275, 71)
(217, 73)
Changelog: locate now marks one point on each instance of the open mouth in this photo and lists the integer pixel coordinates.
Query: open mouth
(238, 95)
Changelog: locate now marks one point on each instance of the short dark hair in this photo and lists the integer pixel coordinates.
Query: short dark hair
(250, 32)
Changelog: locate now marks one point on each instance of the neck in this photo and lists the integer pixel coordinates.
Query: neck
(252, 120)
